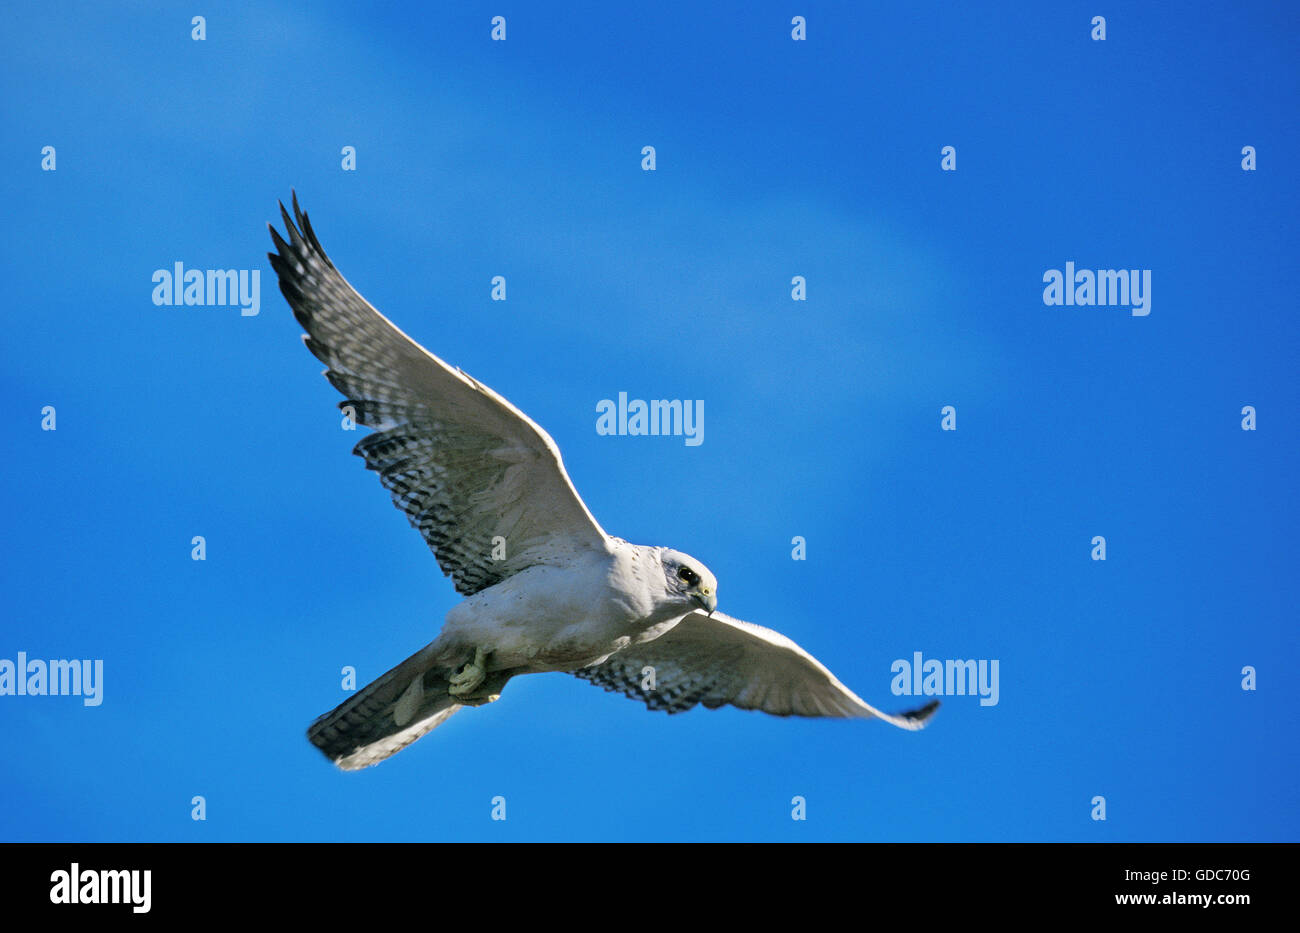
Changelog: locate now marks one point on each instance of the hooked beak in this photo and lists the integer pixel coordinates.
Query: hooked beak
(707, 601)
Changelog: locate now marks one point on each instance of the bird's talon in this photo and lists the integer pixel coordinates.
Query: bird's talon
(470, 677)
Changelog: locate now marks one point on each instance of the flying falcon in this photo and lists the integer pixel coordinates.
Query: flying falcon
(546, 589)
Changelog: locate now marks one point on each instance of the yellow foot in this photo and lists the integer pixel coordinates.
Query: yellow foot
(470, 677)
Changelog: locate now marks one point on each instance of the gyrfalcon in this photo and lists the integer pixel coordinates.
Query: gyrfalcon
(546, 589)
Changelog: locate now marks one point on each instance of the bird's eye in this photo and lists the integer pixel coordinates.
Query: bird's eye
(689, 576)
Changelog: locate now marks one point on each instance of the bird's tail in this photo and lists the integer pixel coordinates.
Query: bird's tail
(388, 714)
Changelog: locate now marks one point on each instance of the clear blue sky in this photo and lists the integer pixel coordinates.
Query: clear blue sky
(822, 418)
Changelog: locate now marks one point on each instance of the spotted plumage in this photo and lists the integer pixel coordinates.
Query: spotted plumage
(546, 589)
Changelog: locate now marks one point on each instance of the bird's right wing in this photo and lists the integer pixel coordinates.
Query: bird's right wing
(473, 473)
(717, 660)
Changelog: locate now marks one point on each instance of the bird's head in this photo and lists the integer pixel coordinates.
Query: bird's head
(690, 580)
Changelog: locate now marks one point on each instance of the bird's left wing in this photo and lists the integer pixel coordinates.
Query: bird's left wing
(717, 660)
(480, 480)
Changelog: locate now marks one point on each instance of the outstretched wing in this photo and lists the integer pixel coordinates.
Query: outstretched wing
(717, 660)
(471, 471)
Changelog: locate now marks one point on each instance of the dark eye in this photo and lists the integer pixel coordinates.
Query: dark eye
(689, 576)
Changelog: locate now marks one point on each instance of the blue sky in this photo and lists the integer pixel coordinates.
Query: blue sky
(775, 158)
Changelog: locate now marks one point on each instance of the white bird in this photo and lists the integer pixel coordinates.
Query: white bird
(546, 589)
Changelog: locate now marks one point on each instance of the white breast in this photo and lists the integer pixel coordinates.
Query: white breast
(564, 617)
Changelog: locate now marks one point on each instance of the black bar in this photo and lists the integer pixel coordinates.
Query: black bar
(333, 882)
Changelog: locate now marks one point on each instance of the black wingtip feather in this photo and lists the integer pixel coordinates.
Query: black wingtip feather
(301, 235)
(921, 714)
(282, 246)
(291, 228)
(310, 234)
